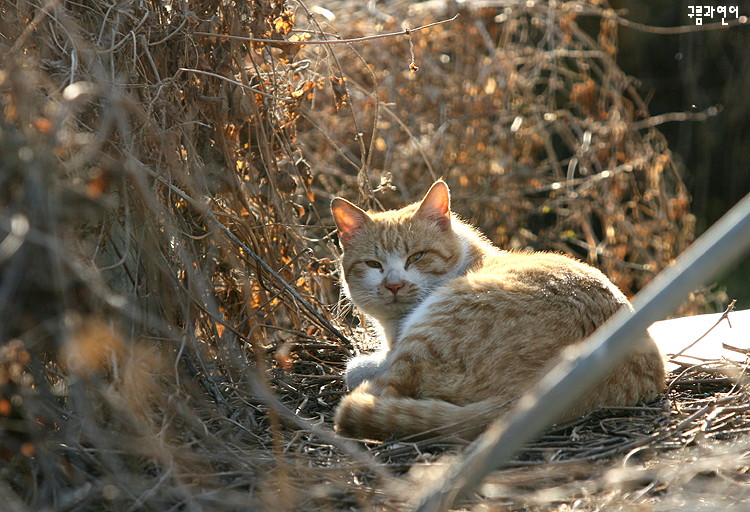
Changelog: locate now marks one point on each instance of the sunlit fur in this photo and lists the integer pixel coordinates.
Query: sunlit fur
(470, 327)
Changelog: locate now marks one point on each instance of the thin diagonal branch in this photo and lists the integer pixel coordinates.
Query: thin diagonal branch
(405, 32)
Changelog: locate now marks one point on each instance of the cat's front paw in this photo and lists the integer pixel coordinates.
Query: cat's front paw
(365, 367)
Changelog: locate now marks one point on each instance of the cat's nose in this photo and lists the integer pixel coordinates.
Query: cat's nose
(395, 287)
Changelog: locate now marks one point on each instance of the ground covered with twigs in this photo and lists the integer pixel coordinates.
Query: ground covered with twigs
(689, 445)
(171, 335)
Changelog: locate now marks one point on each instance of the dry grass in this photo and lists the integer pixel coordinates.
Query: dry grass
(167, 301)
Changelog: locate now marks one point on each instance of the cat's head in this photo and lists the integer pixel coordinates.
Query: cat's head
(393, 259)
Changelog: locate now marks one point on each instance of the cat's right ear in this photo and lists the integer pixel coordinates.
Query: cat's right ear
(436, 205)
(349, 218)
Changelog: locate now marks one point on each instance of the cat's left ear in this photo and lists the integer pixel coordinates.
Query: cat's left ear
(350, 219)
(436, 205)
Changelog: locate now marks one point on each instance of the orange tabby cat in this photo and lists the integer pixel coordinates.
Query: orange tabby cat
(468, 327)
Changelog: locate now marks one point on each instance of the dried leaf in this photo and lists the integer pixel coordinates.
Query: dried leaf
(284, 23)
(340, 93)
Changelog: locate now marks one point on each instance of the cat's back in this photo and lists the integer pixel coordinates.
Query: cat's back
(513, 296)
(542, 275)
(512, 313)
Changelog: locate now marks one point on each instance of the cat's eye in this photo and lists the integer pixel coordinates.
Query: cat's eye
(414, 257)
(373, 264)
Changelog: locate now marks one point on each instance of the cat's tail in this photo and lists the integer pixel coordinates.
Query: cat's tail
(364, 415)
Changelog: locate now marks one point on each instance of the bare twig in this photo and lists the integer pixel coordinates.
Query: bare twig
(405, 32)
(676, 117)
(40, 15)
(238, 84)
(684, 29)
(724, 316)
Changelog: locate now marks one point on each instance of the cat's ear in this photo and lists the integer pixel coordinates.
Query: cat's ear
(350, 219)
(436, 205)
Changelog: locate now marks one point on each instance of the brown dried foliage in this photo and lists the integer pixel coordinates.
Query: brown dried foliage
(146, 171)
(148, 359)
(524, 111)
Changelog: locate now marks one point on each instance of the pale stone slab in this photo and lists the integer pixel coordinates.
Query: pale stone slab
(674, 336)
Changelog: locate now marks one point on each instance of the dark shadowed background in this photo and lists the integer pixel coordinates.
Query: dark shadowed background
(692, 72)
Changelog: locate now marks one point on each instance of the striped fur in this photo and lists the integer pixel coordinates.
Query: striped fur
(468, 328)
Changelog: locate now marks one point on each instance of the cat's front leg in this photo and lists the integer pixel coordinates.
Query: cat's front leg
(365, 367)
(401, 376)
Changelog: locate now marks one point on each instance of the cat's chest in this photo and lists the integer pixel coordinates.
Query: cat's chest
(421, 312)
